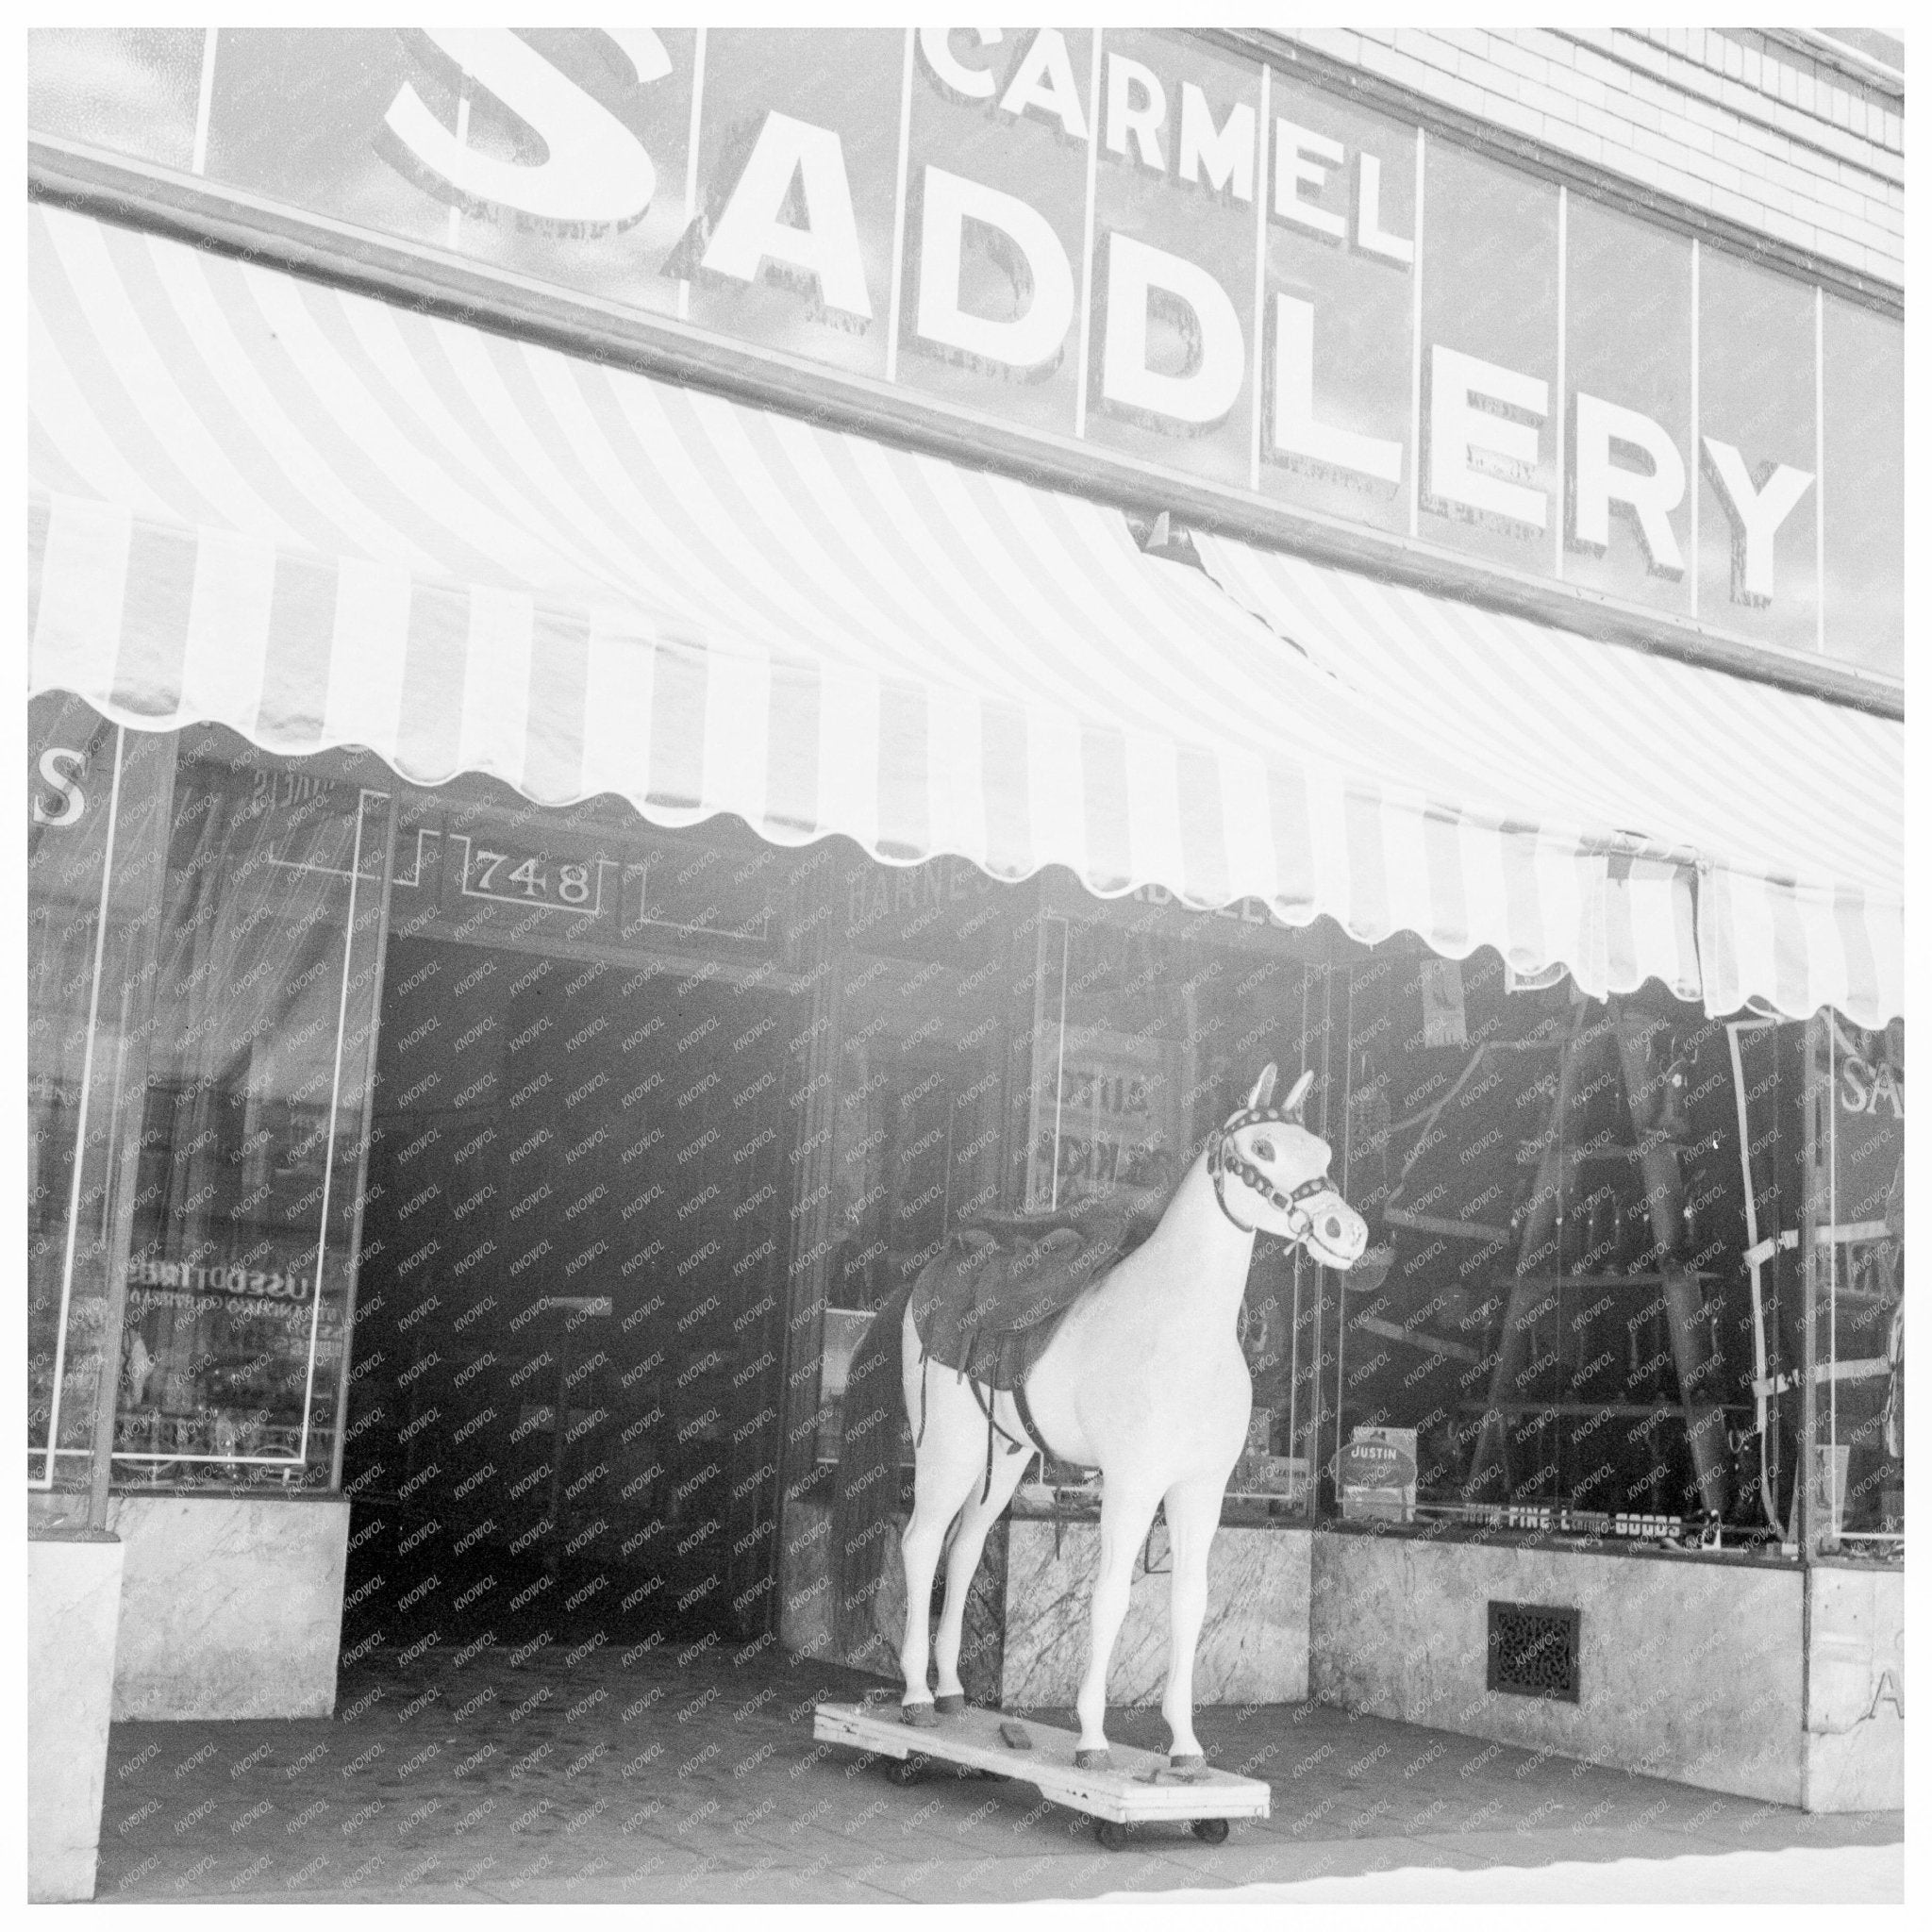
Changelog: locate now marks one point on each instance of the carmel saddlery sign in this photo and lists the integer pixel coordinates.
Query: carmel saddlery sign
(1135, 241)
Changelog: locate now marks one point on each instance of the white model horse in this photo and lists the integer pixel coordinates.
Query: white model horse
(1144, 1379)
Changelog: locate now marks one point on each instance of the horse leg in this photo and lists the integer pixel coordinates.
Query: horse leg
(948, 1463)
(962, 1564)
(1194, 1514)
(1125, 1515)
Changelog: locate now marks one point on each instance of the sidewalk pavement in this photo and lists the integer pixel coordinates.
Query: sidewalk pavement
(1798, 1876)
(687, 1773)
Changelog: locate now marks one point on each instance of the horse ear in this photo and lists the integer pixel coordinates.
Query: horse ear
(1264, 1087)
(1293, 1105)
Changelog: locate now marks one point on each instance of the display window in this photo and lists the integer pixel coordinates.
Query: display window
(1603, 1246)
(1583, 1309)
(1054, 1050)
(242, 1249)
(1853, 1232)
(930, 981)
(1150, 1027)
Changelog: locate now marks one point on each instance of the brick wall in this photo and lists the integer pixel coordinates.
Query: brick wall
(1739, 124)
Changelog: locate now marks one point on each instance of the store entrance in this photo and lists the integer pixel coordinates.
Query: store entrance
(565, 1384)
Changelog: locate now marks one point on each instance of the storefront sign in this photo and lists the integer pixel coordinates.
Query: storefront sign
(1856, 1176)
(270, 1284)
(1133, 242)
(1248, 926)
(1378, 1475)
(946, 908)
(1105, 1117)
(1863, 1088)
(62, 801)
(492, 883)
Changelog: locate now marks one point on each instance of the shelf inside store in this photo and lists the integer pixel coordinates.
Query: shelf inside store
(1647, 1278)
(1527, 1406)
(1624, 1150)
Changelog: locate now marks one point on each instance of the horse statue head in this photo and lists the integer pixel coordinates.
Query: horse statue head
(1270, 1176)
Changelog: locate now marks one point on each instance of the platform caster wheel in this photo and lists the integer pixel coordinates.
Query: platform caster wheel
(914, 1769)
(1211, 1831)
(1111, 1834)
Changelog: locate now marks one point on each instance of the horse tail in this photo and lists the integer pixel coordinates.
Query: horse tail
(867, 1498)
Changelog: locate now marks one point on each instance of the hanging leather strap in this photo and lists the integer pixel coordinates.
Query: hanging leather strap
(1032, 1428)
(988, 1399)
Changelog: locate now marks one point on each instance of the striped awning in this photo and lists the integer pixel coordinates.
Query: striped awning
(321, 519)
(1792, 807)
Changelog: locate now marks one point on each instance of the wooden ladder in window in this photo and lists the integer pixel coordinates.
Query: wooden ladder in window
(1632, 1041)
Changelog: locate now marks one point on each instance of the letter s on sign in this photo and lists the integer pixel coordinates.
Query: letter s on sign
(595, 173)
(70, 800)
(1854, 1096)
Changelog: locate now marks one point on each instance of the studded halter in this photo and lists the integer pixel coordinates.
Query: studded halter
(1224, 1159)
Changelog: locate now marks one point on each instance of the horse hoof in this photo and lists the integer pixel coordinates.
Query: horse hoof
(921, 1714)
(1187, 1761)
(950, 1703)
(1101, 1760)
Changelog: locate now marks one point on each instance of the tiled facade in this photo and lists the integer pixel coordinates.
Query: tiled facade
(1744, 125)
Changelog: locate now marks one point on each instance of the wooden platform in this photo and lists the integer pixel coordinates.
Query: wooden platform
(1124, 1795)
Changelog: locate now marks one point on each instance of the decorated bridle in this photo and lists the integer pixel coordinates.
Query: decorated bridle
(1225, 1158)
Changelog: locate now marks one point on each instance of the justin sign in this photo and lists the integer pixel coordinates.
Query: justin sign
(1133, 242)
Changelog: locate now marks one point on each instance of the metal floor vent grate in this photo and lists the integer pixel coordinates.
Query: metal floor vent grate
(1534, 1650)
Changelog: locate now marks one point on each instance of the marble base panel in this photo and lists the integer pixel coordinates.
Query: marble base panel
(1254, 1646)
(1854, 1718)
(1691, 1671)
(231, 1606)
(72, 1608)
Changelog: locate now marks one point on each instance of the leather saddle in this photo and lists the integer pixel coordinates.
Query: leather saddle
(990, 1302)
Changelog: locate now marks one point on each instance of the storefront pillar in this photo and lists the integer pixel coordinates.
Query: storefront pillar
(1855, 1699)
(96, 850)
(74, 1610)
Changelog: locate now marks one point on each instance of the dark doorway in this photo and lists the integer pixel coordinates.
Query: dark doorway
(565, 1408)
